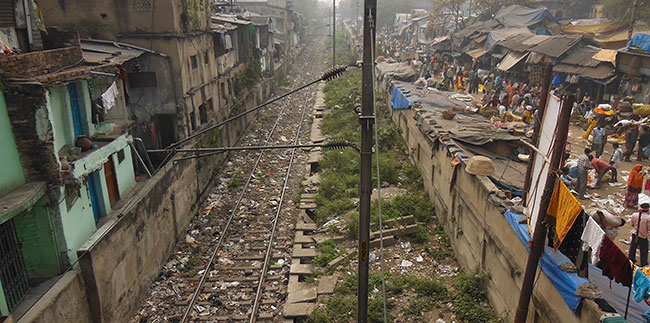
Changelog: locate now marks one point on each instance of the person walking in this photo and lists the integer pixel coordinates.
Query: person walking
(640, 228)
(599, 138)
(644, 140)
(631, 136)
(583, 166)
(634, 186)
(616, 160)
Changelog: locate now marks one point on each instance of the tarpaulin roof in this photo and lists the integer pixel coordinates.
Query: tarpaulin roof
(481, 26)
(640, 40)
(565, 283)
(399, 100)
(521, 16)
(511, 60)
(606, 55)
(556, 46)
(497, 35)
(605, 34)
(474, 129)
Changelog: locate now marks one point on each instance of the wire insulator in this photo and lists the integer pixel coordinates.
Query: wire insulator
(340, 144)
(334, 73)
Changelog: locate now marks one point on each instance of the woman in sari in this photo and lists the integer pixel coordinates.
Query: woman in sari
(634, 186)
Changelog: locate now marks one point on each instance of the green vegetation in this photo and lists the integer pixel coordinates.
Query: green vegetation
(344, 55)
(470, 299)
(247, 78)
(328, 252)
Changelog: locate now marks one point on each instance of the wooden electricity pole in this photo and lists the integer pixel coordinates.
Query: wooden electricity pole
(539, 236)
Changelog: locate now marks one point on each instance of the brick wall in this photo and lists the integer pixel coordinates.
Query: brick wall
(36, 152)
(39, 63)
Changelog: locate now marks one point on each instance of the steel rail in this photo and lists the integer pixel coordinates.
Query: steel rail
(224, 234)
(265, 266)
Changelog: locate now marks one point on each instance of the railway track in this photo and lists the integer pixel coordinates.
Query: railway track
(242, 246)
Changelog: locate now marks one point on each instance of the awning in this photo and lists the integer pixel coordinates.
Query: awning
(106, 52)
(511, 60)
(599, 72)
(477, 53)
(20, 199)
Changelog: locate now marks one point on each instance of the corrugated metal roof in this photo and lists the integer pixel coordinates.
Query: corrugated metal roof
(476, 53)
(511, 60)
(516, 42)
(222, 18)
(106, 52)
(583, 57)
(556, 46)
(600, 72)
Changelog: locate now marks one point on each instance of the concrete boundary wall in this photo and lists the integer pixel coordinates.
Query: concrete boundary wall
(121, 260)
(480, 235)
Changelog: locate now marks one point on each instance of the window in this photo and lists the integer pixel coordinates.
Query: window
(142, 79)
(203, 113)
(142, 5)
(71, 194)
(120, 156)
(194, 62)
(206, 57)
(193, 120)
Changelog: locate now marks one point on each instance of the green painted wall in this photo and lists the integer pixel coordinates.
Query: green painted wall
(58, 102)
(78, 223)
(35, 233)
(4, 308)
(85, 105)
(104, 200)
(11, 172)
(125, 172)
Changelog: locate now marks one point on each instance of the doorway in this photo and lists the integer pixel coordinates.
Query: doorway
(111, 181)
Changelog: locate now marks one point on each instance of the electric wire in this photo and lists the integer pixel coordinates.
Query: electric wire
(381, 228)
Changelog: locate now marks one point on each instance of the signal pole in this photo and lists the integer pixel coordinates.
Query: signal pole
(367, 120)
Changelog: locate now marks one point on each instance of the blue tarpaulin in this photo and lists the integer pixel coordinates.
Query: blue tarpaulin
(399, 101)
(565, 283)
(641, 40)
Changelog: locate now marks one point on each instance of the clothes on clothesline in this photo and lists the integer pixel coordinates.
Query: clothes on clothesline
(641, 286)
(614, 263)
(592, 237)
(109, 98)
(565, 208)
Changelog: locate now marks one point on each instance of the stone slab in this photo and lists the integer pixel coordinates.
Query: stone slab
(306, 226)
(295, 310)
(305, 206)
(388, 241)
(301, 238)
(326, 284)
(300, 269)
(411, 228)
(299, 252)
(302, 295)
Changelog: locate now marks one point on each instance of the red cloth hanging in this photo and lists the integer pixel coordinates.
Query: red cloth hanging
(614, 263)
(647, 185)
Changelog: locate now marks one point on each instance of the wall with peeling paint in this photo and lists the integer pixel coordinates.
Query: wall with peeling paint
(11, 172)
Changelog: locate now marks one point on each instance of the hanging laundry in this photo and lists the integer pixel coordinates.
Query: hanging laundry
(565, 208)
(592, 237)
(228, 42)
(109, 98)
(572, 244)
(641, 286)
(614, 263)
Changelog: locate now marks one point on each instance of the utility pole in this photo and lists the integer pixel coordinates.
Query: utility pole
(333, 33)
(539, 236)
(635, 7)
(367, 120)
